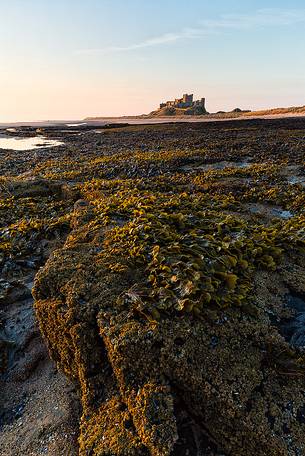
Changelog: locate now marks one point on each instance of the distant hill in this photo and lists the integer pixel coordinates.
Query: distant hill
(237, 112)
(275, 111)
(173, 111)
(199, 112)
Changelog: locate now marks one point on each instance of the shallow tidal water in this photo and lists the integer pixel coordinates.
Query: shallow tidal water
(36, 142)
(293, 328)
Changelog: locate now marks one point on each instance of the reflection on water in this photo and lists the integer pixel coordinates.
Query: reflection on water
(76, 124)
(297, 180)
(269, 211)
(216, 166)
(37, 142)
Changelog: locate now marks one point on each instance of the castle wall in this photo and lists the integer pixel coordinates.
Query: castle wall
(185, 102)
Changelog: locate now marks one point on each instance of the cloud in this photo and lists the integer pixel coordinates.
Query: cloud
(260, 18)
(163, 39)
(270, 17)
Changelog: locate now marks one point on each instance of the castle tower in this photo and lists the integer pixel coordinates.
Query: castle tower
(187, 99)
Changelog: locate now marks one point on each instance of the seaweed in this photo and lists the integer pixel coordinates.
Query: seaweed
(157, 287)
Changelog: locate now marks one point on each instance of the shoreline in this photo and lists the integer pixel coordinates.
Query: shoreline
(134, 120)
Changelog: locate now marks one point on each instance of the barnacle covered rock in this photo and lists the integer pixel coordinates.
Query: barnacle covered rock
(172, 312)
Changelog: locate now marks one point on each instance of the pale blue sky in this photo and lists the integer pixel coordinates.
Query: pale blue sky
(65, 59)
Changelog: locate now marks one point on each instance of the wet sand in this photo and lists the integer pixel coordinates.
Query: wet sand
(137, 120)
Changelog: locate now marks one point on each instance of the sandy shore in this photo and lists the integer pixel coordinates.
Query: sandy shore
(143, 120)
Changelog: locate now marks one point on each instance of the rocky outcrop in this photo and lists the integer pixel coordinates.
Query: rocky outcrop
(173, 111)
(140, 368)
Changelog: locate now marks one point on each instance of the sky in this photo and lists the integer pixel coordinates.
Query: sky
(68, 59)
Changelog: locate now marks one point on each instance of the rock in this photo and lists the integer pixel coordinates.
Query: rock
(228, 386)
(13, 291)
(33, 188)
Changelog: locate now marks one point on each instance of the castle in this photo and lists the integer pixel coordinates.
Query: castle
(185, 102)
